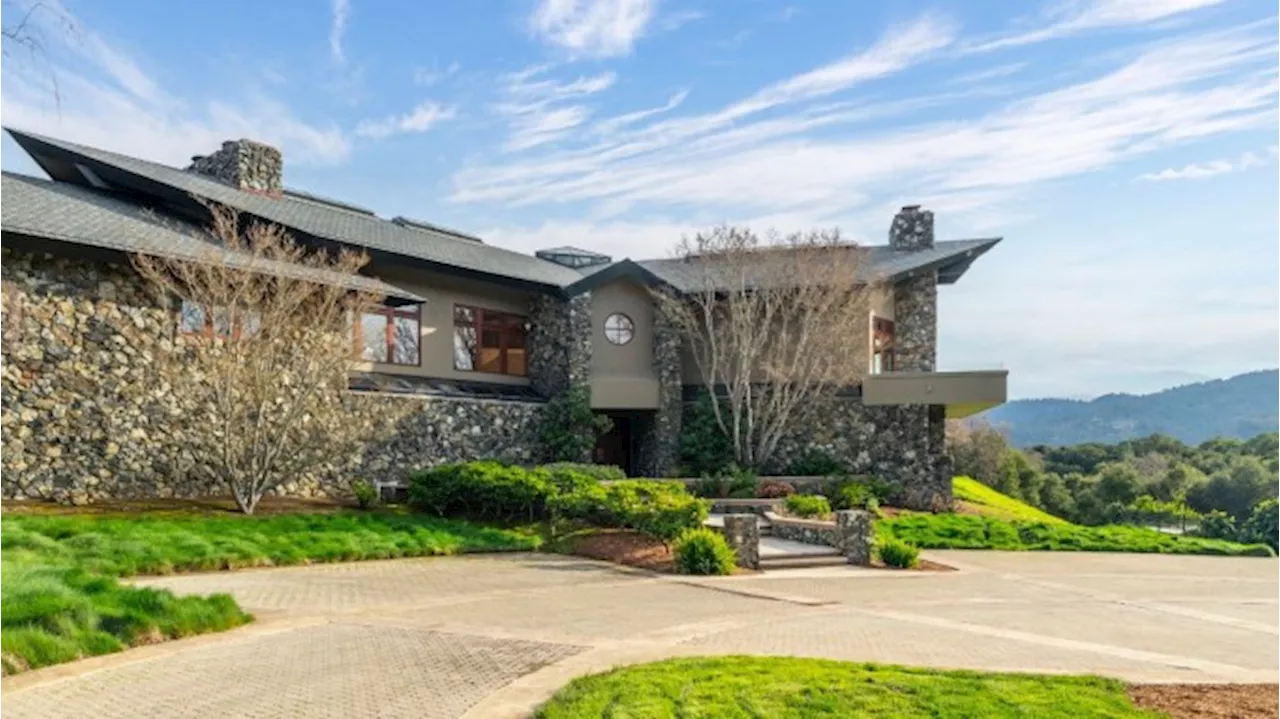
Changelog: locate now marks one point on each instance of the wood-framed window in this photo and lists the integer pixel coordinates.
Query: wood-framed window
(489, 341)
(390, 335)
(199, 320)
(881, 345)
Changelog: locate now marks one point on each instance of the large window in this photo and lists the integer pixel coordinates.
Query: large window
(390, 335)
(881, 345)
(488, 341)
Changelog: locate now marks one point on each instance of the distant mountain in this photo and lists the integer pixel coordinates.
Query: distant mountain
(1242, 406)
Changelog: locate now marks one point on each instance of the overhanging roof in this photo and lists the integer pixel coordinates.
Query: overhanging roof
(68, 213)
(309, 216)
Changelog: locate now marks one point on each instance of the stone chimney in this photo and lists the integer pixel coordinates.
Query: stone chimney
(912, 229)
(244, 164)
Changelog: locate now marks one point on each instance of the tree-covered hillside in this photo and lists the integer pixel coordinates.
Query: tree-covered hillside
(1240, 407)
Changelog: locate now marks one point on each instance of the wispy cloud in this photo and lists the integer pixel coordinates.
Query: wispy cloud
(617, 122)
(678, 19)
(1199, 171)
(593, 28)
(539, 109)
(1193, 86)
(991, 73)
(107, 100)
(1074, 16)
(420, 119)
(338, 30)
(428, 76)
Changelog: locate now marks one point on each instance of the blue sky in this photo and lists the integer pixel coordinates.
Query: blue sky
(1125, 149)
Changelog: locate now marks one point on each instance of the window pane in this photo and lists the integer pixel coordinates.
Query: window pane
(516, 364)
(250, 324)
(490, 338)
(463, 314)
(464, 348)
(191, 317)
(406, 340)
(373, 337)
(221, 322)
(875, 363)
(515, 337)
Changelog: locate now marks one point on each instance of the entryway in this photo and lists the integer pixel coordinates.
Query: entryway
(620, 446)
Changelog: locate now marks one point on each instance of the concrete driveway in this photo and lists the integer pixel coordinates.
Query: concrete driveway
(496, 635)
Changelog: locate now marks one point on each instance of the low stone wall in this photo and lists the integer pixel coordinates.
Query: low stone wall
(744, 506)
(83, 417)
(809, 531)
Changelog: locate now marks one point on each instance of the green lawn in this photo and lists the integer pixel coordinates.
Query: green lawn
(981, 499)
(960, 531)
(789, 687)
(61, 600)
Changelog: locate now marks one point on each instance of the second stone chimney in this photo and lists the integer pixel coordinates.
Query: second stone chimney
(912, 229)
(244, 164)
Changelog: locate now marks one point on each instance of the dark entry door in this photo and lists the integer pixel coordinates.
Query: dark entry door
(614, 447)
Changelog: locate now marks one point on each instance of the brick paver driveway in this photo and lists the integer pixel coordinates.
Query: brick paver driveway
(495, 635)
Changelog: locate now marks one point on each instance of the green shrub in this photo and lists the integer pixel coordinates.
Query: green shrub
(485, 489)
(704, 448)
(897, 553)
(775, 489)
(959, 531)
(569, 427)
(818, 463)
(703, 551)
(1265, 522)
(661, 509)
(808, 505)
(856, 492)
(598, 472)
(729, 481)
(1217, 525)
(366, 494)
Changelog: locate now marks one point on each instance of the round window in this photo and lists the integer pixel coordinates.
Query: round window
(619, 329)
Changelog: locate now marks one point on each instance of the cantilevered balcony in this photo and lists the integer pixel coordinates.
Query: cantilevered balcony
(962, 393)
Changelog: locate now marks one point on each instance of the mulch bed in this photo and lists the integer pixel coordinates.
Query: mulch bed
(623, 546)
(1210, 701)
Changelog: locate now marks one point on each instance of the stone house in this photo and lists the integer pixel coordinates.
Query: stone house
(479, 337)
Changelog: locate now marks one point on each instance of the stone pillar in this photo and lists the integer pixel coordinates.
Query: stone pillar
(939, 459)
(915, 323)
(742, 532)
(559, 343)
(660, 444)
(855, 535)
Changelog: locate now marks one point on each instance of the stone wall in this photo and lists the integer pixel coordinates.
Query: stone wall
(84, 418)
(244, 164)
(805, 531)
(915, 320)
(659, 445)
(559, 343)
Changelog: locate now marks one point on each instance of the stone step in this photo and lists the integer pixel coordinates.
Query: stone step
(802, 561)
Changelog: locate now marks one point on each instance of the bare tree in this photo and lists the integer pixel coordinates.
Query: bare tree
(263, 358)
(775, 327)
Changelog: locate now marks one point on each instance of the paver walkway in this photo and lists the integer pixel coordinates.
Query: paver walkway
(493, 636)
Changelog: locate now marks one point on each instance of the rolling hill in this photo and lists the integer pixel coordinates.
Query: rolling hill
(1242, 406)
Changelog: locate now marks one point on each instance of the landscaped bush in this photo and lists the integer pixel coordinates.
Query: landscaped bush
(856, 492)
(485, 489)
(729, 482)
(704, 447)
(818, 463)
(598, 472)
(569, 427)
(661, 509)
(703, 551)
(1217, 525)
(365, 493)
(775, 489)
(897, 553)
(808, 505)
(957, 531)
(1263, 524)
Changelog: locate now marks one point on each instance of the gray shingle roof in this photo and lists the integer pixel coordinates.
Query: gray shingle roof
(880, 262)
(70, 213)
(336, 224)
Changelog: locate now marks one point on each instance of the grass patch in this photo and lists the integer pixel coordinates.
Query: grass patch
(125, 546)
(60, 599)
(960, 531)
(791, 687)
(981, 499)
